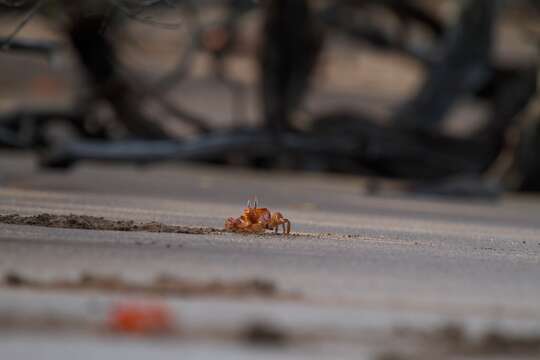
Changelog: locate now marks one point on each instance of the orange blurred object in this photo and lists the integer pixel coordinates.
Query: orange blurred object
(140, 318)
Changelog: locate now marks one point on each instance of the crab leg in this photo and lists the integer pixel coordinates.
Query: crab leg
(286, 221)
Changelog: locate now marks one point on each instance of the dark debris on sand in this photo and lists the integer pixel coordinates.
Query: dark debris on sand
(164, 285)
(99, 223)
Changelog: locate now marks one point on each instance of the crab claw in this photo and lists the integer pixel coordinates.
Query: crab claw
(232, 223)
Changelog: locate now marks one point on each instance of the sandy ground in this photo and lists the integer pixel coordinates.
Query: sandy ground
(361, 277)
(355, 269)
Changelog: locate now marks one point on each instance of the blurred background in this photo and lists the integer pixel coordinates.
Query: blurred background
(400, 137)
(439, 96)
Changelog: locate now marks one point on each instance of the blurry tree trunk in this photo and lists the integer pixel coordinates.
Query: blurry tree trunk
(97, 56)
(291, 43)
(528, 160)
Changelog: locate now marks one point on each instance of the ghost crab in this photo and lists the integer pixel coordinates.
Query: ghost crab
(257, 220)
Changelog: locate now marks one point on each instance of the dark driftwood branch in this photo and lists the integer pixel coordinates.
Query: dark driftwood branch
(409, 12)
(27, 17)
(341, 17)
(37, 115)
(24, 128)
(400, 154)
(464, 67)
(37, 47)
(216, 145)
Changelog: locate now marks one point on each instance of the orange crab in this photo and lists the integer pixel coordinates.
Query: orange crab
(257, 220)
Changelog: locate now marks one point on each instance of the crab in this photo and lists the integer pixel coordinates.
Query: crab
(257, 220)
